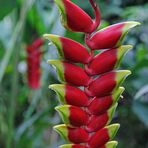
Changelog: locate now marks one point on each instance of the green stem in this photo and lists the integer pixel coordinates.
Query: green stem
(16, 40)
(36, 95)
(14, 92)
(16, 35)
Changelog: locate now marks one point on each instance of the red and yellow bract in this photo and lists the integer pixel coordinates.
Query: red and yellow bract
(89, 93)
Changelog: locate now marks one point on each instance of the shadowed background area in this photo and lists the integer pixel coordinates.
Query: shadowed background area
(27, 113)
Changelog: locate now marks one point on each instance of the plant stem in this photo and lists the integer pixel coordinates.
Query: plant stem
(16, 35)
(36, 95)
(16, 40)
(14, 92)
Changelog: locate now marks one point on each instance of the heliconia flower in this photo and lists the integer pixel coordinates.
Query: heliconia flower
(70, 73)
(107, 60)
(98, 122)
(98, 106)
(33, 63)
(106, 83)
(37, 43)
(102, 136)
(111, 36)
(70, 95)
(73, 115)
(72, 134)
(90, 91)
(67, 53)
(75, 19)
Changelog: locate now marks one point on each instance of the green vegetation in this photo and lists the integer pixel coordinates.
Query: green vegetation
(26, 115)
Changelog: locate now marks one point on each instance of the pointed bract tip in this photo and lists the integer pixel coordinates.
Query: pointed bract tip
(66, 146)
(117, 93)
(51, 36)
(121, 89)
(59, 126)
(132, 24)
(111, 144)
(126, 47)
(56, 86)
(121, 74)
(124, 72)
(61, 129)
(112, 129)
(45, 35)
(62, 108)
(54, 62)
(111, 111)
(60, 4)
(52, 86)
(129, 25)
(61, 7)
(121, 51)
(59, 66)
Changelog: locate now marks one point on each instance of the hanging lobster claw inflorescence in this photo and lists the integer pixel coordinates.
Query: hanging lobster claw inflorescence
(89, 94)
(33, 63)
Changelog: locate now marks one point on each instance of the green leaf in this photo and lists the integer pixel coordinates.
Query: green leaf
(142, 94)
(141, 110)
(6, 6)
(141, 52)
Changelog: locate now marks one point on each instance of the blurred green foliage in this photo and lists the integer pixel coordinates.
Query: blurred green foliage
(26, 115)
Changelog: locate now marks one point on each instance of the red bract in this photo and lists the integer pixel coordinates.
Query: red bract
(91, 91)
(102, 136)
(98, 122)
(75, 19)
(73, 115)
(111, 36)
(70, 95)
(99, 105)
(72, 134)
(103, 62)
(76, 53)
(106, 83)
(33, 63)
(71, 73)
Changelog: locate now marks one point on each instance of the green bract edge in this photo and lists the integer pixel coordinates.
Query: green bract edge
(117, 93)
(121, 76)
(121, 51)
(58, 64)
(62, 130)
(111, 144)
(111, 112)
(125, 30)
(60, 89)
(64, 111)
(66, 146)
(62, 9)
(112, 130)
(55, 39)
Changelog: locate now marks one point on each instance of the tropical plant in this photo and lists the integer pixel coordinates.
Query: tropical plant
(33, 63)
(91, 83)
